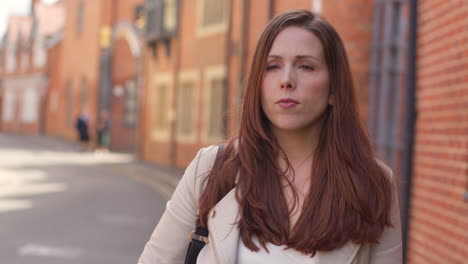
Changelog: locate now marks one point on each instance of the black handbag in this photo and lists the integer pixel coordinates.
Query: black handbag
(199, 237)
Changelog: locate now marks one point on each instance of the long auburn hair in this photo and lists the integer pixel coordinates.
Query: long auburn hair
(350, 193)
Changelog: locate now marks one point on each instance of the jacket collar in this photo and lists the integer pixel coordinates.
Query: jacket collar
(224, 234)
(223, 230)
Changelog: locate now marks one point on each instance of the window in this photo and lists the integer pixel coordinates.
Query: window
(30, 106)
(8, 105)
(130, 114)
(217, 111)
(213, 12)
(213, 16)
(161, 113)
(161, 118)
(170, 15)
(11, 59)
(185, 109)
(80, 18)
(215, 107)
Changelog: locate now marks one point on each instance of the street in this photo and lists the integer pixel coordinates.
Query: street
(60, 205)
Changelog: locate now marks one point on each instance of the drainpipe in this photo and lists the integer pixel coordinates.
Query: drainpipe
(411, 115)
(271, 9)
(243, 49)
(227, 63)
(176, 53)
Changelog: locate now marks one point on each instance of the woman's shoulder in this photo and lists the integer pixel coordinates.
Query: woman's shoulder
(202, 164)
(388, 171)
(205, 159)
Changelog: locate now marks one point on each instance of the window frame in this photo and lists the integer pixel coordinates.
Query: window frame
(206, 30)
(193, 77)
(212, 73)
(162, 79)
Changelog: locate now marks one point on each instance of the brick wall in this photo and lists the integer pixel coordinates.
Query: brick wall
(353, 19)
(80, 59)
(192, 52)
(53, 118)
(439, 219)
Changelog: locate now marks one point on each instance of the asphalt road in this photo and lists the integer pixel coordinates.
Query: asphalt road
(59, 205)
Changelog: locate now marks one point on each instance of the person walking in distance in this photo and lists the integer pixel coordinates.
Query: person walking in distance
(82, 129)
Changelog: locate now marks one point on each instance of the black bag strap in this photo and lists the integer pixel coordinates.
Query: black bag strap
(199, 236)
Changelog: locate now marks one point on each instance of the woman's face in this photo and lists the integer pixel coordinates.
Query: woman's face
(295, 87)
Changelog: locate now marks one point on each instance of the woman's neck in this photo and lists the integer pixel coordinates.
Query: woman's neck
(298, 145)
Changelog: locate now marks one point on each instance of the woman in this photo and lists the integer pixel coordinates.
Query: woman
(300, 183)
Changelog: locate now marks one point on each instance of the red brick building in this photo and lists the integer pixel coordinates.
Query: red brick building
(77, 77)
(52, 112)
(194, 77)
(24, 77)
(125, 51)
(97, 70)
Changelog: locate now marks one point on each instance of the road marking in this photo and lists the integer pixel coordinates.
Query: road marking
(49, 251)
(7, 205)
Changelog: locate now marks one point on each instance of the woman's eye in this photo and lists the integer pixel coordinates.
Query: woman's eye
(307, 67)
(272, 67)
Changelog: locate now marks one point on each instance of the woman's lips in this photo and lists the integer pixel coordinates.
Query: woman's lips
(287, 103)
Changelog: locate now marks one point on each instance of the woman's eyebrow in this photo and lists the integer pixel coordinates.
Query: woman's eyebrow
(307, 57)
(273, 56)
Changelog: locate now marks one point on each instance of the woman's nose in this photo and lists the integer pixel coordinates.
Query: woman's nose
(287, 79)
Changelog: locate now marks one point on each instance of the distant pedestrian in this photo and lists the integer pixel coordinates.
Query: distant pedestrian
(82, 129)
(102, 131)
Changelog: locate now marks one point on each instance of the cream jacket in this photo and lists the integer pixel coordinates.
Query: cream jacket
(169, 242)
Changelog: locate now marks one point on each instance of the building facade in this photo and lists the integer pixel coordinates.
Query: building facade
(97, 75)
(196, 59)
(24, 75)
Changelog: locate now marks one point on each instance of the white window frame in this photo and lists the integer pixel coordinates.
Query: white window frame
(193, 77)
(9, 99)
(11, 59)
(202, 30)
(161, 79)
(211, 73)
(29, 106)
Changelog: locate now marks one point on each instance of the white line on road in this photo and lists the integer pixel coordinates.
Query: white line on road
(49, 251)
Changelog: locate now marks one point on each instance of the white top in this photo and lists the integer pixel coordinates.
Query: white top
(278, 254)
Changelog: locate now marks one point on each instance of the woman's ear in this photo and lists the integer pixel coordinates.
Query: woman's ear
(330, 99)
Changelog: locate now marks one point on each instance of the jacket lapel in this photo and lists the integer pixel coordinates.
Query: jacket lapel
(223, 229)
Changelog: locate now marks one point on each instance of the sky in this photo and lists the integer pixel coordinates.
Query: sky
(14, 7)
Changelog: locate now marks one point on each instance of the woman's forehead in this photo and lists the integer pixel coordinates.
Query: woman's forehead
(296, 41)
